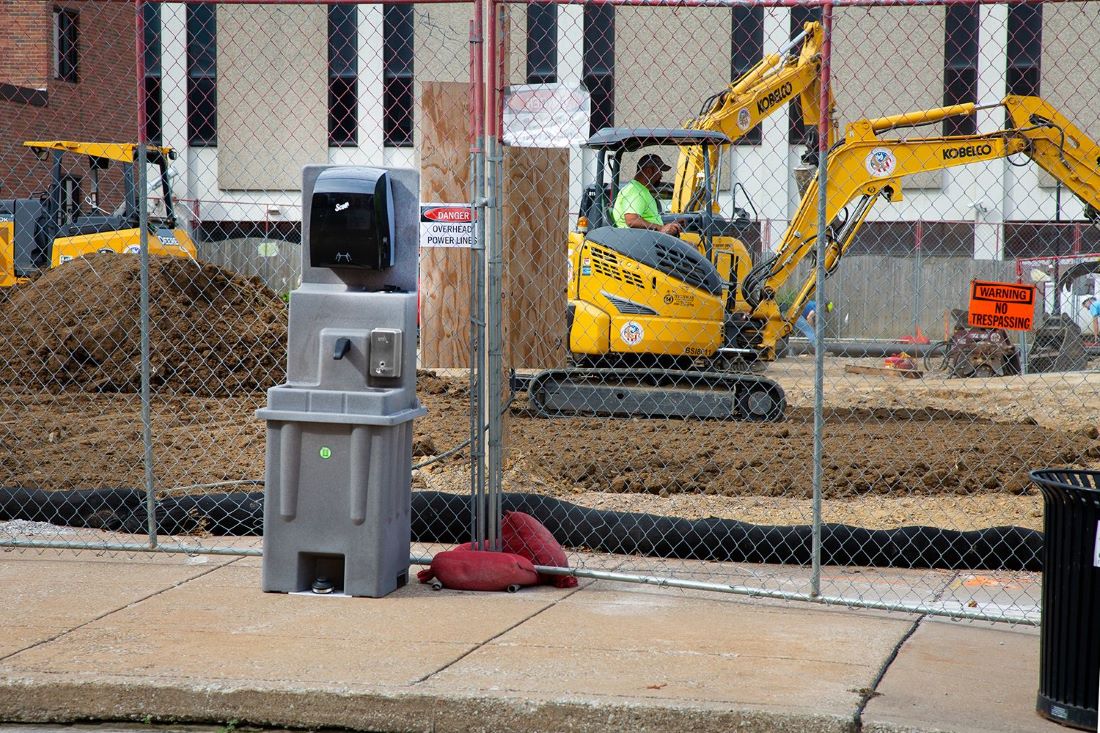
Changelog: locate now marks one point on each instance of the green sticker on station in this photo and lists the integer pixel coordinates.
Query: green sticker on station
(326, 452)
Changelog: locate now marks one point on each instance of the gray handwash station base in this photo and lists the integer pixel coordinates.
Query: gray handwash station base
(339, 432)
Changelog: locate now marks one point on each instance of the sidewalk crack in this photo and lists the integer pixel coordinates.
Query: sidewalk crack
(869, 693)
(105, 614)
(494, 637)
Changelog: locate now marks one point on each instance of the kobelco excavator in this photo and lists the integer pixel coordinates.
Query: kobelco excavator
(664, 326)
(61, 224)
(709, 256)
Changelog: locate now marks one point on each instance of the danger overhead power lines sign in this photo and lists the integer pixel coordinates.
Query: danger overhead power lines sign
(446, 225)
(1010, 306)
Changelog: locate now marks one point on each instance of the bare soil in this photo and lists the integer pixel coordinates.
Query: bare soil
(77, 328)
(945, 452)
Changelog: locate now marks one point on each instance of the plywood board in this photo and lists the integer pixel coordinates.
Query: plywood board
(444, 272)
(535, 190)
(883, 371)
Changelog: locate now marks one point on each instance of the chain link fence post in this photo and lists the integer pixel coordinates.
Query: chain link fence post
(820, 247)
(141, 175)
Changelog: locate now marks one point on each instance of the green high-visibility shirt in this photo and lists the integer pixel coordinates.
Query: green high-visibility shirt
(634, 198)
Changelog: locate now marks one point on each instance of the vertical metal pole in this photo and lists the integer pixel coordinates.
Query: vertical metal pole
(918, 276)
(140, 160)
(819, 290)
(477, 265)
(494, 323)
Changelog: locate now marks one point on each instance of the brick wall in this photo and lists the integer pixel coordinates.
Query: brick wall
(100, 107)
(24, 43)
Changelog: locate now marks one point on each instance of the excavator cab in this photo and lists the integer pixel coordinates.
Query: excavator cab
(612, 143)
(646, 308)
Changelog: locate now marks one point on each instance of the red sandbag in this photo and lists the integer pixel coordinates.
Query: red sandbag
(526, 536)
(464, 569)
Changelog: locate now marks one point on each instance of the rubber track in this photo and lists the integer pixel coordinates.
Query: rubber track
(621, 378)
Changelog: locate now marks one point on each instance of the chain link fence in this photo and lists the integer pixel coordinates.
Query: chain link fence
(699, 406)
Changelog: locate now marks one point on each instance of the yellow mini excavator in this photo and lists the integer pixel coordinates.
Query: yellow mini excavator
(707, 262)
(665, 326)
(59, 225)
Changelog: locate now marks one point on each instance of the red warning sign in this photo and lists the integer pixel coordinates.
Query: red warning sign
(1010, 306)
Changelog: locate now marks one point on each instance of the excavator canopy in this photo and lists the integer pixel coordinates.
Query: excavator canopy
(629, 139)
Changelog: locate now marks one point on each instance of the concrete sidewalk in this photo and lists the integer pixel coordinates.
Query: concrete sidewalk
(192, 639)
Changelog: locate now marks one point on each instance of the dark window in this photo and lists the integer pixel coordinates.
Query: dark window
(217, 231)
(150, 15)
(1049, 239)
(599, 63)
(902, 238)
(746, 51)
(343, 89)
(960, 66)
(397, 75)
(1025, 48)
(202, 74)
(799, 17)
(66, 43)
(542, 43)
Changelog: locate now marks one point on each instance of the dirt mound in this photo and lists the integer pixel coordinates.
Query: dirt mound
(78, 327)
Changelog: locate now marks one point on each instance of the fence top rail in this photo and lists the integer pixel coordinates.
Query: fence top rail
(765, 3)
(641, 3)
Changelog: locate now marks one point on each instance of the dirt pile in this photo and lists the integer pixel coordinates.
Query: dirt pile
(78, 328)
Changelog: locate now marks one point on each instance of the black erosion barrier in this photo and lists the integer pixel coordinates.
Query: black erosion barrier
(439, 517)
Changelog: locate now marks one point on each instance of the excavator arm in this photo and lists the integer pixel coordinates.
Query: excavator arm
(865, 167)
(767, 87)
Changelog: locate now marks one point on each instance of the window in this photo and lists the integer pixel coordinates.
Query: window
(599, 63)
(150, 14)
(797, 134)
(65, 44)
(542, 43)
(1025, 48)
(960, 66)
(397, 75)
(746, 51)
(343, 91)
(202, 75)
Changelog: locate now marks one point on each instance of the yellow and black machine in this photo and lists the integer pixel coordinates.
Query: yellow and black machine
(619, 337)
(672, 326)
(61, 224)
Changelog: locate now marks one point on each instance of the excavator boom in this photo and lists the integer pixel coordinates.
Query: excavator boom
(776, 80)
(866, 167)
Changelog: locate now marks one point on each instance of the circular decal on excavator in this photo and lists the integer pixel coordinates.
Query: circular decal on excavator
(632, 333)
(881, 163)
(744, 119)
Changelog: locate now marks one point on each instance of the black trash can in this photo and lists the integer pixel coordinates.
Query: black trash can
(1069, 661)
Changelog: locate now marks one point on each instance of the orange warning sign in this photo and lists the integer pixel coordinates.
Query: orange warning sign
(1010, 306)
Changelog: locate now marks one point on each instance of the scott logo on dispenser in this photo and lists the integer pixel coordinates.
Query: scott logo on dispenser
(341, 207)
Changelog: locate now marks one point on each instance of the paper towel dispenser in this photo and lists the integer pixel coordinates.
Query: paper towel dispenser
(351, 219)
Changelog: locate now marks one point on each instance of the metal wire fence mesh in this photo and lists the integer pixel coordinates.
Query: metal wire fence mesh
(656, 335)
(662, 415)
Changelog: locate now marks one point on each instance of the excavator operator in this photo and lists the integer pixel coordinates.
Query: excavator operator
(635, 206)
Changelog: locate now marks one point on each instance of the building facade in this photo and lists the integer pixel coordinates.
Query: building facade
(248, 94)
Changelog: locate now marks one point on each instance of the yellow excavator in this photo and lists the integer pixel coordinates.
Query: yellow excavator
(793, 72)
(660, 326)
(61, 224)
